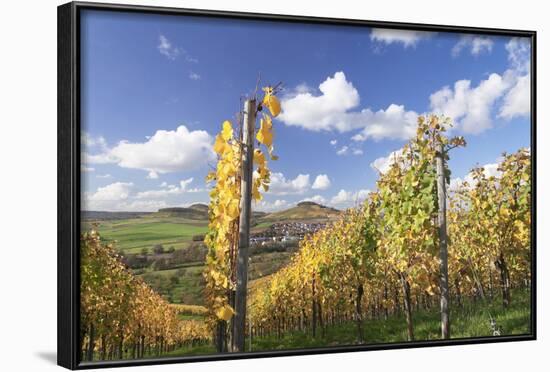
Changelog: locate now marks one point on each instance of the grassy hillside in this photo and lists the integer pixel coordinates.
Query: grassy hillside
(185, 283)
(304, 211)
(132, 235)
(105, 216)
(179, 285)
(193, 212)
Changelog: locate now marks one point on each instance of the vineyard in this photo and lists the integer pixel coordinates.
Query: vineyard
(366, 263)
(383, 256)
(121, 316)
(415, 249)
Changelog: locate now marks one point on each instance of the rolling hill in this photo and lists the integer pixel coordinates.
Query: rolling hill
(106, 216)
(194, 212)
(197, 211)
(303, 211)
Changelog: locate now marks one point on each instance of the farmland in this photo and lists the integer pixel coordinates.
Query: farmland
(135, 234)
(176, 273)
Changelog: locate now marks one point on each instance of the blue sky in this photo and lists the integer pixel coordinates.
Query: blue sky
(155, 90)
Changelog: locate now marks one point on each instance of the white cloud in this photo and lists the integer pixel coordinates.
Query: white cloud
(316, 199)
(171, 51)
(343, 150)
(142, 206)
(168, 190)
(164, 152)
(393, 123)
(472, 108)
(322, 182)
(301, 88)
(476, 44)
(185, 183)
(99, 158)
(455, 184)
(517, 101)
(88, 141)
(324, 112)
(107, 175)
(346, 199)
(120, 196)
(107, 197)
(153, 175)
(166, 48)
(331, 111)
(519, 54)
(194, 76)
(266, 206)
(469, 107)
(127, 206)
(489, 170)
(408, 38)
(384, 163)
(281, 186)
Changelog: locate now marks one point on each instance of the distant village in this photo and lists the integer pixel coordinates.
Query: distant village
(285, 232)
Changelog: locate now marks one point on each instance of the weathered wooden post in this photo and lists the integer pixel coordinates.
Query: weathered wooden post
(239, 320)
(442, 230)
(220, 336)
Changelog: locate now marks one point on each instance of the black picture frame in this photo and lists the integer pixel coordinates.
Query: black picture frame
(69, 180)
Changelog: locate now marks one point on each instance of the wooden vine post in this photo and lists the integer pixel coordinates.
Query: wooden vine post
(230, 212)
(442, 231)
(239, 320)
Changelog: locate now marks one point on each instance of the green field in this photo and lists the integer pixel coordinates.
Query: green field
(132, 235)
(185, 283)
(182, 283)
(261, 226)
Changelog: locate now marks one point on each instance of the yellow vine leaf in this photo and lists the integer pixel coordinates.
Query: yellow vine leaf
(256, 193)
(227, 131)
(210, 176)
(265, 136)
(504, 212)
(259, 158)
(273, 104)
(219, 145)
(233, 209)
(225, 312)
